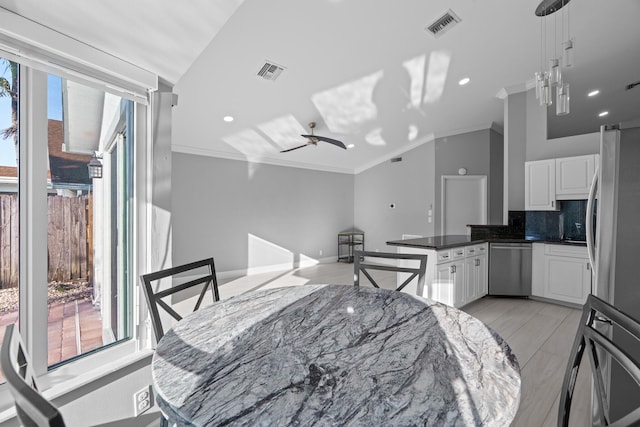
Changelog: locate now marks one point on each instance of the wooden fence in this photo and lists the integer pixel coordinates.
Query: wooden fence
(69, 242)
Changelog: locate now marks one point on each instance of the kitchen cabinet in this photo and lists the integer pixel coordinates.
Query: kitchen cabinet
(561, 272)
(540, 185)
(476, 269)
(454, 276)
(574, 176)
(566, 178)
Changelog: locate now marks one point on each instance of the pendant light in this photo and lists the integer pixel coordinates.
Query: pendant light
(549, 83)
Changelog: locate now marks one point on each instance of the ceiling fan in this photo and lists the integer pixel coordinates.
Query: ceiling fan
(313, 140)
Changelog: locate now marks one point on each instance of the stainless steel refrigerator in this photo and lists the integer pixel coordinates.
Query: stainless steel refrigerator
(614, 248)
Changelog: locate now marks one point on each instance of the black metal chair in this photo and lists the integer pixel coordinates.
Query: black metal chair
(155, 299)
(597, 311)
(360, 265)
(32, 408)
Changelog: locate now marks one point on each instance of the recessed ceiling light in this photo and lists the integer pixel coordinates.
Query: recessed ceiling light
(604, 113)
(593, 92)
(464, 81)
(228, 118)
(351, 145)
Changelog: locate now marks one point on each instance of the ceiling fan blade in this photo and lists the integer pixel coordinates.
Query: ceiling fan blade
(325, 139)
(294, 148)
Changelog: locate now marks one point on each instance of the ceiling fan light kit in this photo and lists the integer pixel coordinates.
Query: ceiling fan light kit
(313, 139)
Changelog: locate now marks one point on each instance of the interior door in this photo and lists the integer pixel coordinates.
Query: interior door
(464, 202)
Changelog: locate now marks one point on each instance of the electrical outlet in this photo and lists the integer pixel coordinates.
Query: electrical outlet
(320, 252)
(142, 400)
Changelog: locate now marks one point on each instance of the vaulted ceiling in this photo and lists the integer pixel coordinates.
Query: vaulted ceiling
(365, 70)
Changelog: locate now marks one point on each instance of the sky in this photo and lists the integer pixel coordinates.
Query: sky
(54, 111)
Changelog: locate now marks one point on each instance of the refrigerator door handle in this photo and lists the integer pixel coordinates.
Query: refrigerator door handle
(591, 242)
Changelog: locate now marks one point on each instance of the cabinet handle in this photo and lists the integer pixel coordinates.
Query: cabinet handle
(477, 263)
(553, 203)
(588, 266)
(452, 269)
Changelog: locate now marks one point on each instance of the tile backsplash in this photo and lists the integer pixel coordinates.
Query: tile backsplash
(568, 222)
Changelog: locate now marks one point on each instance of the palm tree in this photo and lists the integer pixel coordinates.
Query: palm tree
(10, 88)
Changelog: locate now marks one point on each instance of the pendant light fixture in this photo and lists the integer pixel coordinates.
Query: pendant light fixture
(549, 83)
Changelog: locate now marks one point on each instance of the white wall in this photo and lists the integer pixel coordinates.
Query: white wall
(409, 185)
(473, 151)
(253, 216)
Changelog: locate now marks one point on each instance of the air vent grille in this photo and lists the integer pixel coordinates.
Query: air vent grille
(270, 71)
(632, 85)
(443, 24)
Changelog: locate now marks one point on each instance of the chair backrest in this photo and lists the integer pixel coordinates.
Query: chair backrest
(155, 299)
(32, 408)
(597, 311)
(362, 265)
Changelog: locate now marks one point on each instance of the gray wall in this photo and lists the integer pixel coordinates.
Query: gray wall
(540, 148)
(515, 151)
(473, 151)
(225, 208)
(496, 177)
(409, 185)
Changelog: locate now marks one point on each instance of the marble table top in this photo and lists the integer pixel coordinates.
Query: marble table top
(330, 355)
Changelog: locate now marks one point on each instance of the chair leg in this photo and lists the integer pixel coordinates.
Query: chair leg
(163, 421)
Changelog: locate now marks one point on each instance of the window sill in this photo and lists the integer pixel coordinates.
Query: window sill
(74, 375)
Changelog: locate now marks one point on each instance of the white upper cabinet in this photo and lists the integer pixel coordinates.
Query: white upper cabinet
(574, 176)
(540, 185)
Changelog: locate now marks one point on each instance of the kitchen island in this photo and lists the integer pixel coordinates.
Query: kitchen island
(457, 267)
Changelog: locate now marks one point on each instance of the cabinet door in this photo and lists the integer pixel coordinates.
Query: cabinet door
(458, 284)
(443, 286)
(482, 270)
(574, 176)
(540, 185)
(538, 277)
(471, 284)
(567, 279)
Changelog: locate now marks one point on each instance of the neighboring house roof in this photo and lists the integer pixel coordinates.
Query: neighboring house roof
(64, 168)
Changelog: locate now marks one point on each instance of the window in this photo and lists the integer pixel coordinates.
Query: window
(9, 196)
(80, 282)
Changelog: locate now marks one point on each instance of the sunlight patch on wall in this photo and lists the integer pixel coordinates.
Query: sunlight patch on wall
(439, 61)
(346, 107)
(263, 255)
(284, 131)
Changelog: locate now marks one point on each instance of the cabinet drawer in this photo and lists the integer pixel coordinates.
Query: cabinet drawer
(566, 250)
(444, 256)
(475, 250)
(457, 253)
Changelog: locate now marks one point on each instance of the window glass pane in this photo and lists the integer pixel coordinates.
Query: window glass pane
(88, 220)
(9, 214)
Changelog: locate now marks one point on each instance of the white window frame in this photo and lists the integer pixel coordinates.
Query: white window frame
(33, 225)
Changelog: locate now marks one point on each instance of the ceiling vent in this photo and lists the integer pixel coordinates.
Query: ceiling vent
(270, 71)
(632, 85)
(443, 24)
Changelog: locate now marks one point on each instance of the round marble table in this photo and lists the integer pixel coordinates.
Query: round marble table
(328, 355)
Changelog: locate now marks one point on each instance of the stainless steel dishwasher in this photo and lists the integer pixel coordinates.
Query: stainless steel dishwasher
(510, 269)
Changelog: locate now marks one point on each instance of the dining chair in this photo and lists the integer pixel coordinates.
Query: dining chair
(32, 408)
(199, 273)
(596, 316)
(362, 265)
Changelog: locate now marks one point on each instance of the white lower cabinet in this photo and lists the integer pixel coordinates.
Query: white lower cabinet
(454, 276)
(561, 272)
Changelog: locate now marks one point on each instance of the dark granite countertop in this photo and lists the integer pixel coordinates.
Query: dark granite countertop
(456, 240)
